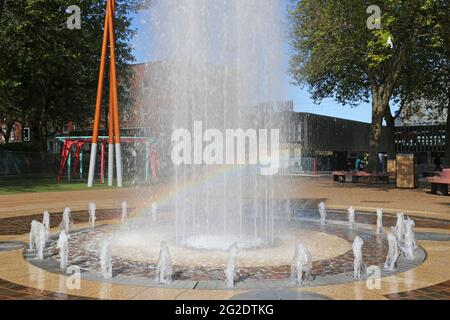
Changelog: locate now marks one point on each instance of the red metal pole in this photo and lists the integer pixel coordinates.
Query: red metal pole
(315, 166)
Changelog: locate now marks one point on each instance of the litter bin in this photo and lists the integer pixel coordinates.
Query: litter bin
(407, 175)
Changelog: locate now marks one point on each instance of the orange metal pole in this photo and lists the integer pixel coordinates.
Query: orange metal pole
(114, 74)
(98, 104)
(111, 98)
(113, 79)
(111, 112)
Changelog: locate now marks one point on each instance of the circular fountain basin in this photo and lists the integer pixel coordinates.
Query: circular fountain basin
(212, 251)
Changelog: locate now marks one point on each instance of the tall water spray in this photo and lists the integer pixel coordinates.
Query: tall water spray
(219, 66)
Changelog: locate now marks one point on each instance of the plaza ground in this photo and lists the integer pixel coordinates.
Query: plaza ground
(19, 279)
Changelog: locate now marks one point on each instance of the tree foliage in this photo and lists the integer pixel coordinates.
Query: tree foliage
(49, 73)
(337, 56)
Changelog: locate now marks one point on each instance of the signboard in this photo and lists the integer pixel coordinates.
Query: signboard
(26, 137)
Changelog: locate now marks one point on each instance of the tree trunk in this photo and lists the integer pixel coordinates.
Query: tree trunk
(375, 131)
(447, 139)
(390, 132)
(7, 132)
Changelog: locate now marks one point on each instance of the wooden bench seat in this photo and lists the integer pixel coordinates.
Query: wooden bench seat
(341, 176)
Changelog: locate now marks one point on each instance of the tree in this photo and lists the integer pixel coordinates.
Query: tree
(428, 78)
(48, 72)
(338, 56)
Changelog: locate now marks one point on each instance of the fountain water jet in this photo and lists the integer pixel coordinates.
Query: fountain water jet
(37, 238)
(393, 253)
(301, 266)
(323, 213)
(221, 67)
(63, 246)
(65, 223)
(124, 211)
(351, 218)
(408, 244)
(358, 263)
(230, 271)
(164, 268)
(106, 260)
(400, 226)
(91, 208)
(46, 223)
(379, 221)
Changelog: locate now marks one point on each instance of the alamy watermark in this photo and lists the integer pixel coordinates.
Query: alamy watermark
(373, 278)
(74, 21)
(232, 147)
(73, 281)
(374, 21)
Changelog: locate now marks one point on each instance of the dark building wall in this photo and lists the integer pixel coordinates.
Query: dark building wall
(319, 133)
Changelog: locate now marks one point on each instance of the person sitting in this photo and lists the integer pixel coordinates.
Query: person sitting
(357, 164)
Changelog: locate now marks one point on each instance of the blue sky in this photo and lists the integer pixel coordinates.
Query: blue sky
(300, 96)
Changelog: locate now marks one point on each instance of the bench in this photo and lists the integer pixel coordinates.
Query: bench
(378, 176)
(427, 174)
(341, 176)
(440, 183)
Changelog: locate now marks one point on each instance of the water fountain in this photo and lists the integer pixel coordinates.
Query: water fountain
(358, 263)
(379, 221)
(65, 223)
(218, 66)
(218, 75)
(92, 218)
(106, 260)
(408, 243)
(124, 211)
(46, 223)
(164, 268)
(63, 246)
(393, 253)
(37, 238)
(323, 213)
(230, 271)
(301, 266)
(351, 218)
